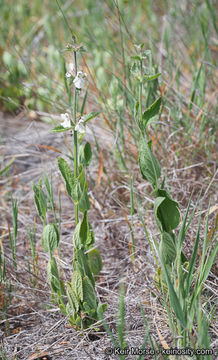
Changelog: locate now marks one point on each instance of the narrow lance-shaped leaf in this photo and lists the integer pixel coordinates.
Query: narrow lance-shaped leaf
(40, 201)
(7, 167)
(67, 174)
(151, 78)
(53, 276)
(73, 300)
(90, 116)
(76, 284)
(60, 128)
(173, 297)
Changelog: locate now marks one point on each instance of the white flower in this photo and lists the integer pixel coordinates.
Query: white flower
(66, 120)
(79, 80)
(80, 127)
(71, 70)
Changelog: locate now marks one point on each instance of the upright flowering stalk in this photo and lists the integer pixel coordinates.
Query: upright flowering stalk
(166, 210)
(82, 308)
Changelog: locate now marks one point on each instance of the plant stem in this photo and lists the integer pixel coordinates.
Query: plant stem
(140, 94)
(75, 138)
(140, 99)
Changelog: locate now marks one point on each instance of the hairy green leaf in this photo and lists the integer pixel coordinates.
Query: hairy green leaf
(50, 237)
(76, 284)
(89, 293)
(152, 111)
(67, 174)
(95, 262)
(73, 300)
(90, 116)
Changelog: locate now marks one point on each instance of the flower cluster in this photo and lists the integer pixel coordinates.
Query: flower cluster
(66, 123)
(78, 79)
(66, 120)
(80, 128)
(71, 71)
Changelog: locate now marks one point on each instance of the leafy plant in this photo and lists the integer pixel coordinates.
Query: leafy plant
(82, 307)
(180, 283)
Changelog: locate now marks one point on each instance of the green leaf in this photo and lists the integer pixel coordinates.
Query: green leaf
(84, 203)
(209, 264)
(85, 154)
(84, 229)
(149, 166)
(95, 262)
(76, 238)
(136, 57)
(80, 263)
(76, 284)
(60, 128)
(73, 300)
(79, 187)
(90, 116)
(151, 77)
(101, 309)
(152, 111)
(166, 212)
(50, 237)
(7, 166)
(89, 293)
(40, 201)
(67, 174)
(136, 108)
(91, 237)
(167, 248)
(53, 276)
(173, 297)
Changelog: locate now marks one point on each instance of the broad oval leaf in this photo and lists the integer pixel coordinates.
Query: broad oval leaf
(166, 212)
(149, 166)
(50, 237)
(95, 262)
